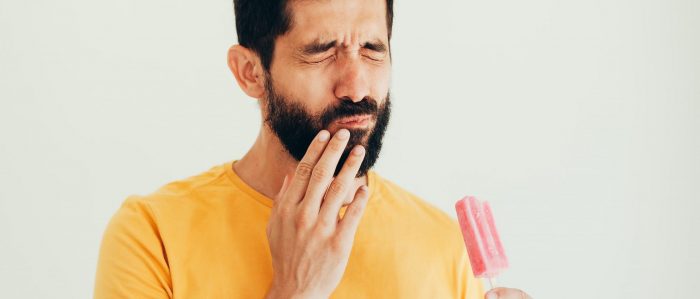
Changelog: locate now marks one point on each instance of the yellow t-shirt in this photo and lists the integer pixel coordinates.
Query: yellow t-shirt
(204, 237)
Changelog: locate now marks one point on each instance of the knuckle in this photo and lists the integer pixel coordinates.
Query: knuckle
(304, 169)
(336, 188)
(353, 212)
(323, 227)
(337, 244)
(301, 222)
(284, 210)
(319, 173)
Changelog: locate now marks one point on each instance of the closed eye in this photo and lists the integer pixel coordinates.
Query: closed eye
(374, 50)
(374, 57)
(331, 57)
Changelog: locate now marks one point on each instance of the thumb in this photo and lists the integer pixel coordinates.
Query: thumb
(284, 186)
(506, 293)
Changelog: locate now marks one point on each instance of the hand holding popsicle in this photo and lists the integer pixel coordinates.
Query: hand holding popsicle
(484, 247)
(506, 293)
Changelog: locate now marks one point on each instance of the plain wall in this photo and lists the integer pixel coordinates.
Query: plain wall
(577, 120)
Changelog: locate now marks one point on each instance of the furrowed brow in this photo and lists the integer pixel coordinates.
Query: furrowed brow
(317, 47)
(376, 45)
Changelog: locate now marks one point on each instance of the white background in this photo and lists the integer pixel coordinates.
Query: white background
(578, 120)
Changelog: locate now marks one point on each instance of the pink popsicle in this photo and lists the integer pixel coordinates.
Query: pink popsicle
(485, 250)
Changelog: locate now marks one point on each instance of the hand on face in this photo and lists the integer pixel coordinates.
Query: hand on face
(309, 243)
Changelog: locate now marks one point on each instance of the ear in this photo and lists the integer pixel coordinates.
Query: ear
(246, 67)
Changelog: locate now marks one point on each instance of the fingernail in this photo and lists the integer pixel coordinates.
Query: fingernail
(358, 150)
(343, 134)
(323, 136)
(492, 295)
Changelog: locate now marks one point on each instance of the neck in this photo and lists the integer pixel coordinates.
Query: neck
(264, 166)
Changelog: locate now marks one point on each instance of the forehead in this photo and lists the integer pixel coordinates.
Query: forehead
(346, 20)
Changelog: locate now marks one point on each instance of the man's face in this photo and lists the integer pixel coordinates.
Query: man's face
(331, 70)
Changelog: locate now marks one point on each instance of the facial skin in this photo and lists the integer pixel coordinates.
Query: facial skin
(331, 72)
(335, 51)
(356, 67)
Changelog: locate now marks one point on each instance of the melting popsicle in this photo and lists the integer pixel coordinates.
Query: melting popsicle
(485, 250)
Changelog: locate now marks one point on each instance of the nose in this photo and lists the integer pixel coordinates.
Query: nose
(352, 82)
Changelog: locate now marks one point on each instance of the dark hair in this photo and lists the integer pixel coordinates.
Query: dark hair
(260, 22)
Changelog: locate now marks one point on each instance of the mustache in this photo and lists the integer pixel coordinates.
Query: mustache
(346, 107)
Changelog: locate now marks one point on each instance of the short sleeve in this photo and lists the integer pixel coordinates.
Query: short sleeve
(132, 261)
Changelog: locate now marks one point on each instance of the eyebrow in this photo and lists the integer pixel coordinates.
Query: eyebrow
(317, 46)
(376, 45)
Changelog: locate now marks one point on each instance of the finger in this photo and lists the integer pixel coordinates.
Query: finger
(340, 186)
(283, 189)
(348, 226)
(300, 181)
(285, 184)
(322, 173)
(275, 204)
(506, 293)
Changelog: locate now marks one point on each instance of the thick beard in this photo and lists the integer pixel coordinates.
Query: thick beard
(296, 128)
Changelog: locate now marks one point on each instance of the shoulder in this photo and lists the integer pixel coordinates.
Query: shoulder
(405, 204)
(181, 195)
(171, 200)
(190, 187)
(431, 230)
(407, 201)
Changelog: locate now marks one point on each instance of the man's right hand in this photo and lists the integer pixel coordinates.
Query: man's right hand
(310, 245)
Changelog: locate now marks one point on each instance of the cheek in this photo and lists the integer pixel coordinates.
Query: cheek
(313, 90)
(381, 82)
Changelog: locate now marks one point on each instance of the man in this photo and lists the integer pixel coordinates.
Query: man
(300, 215)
